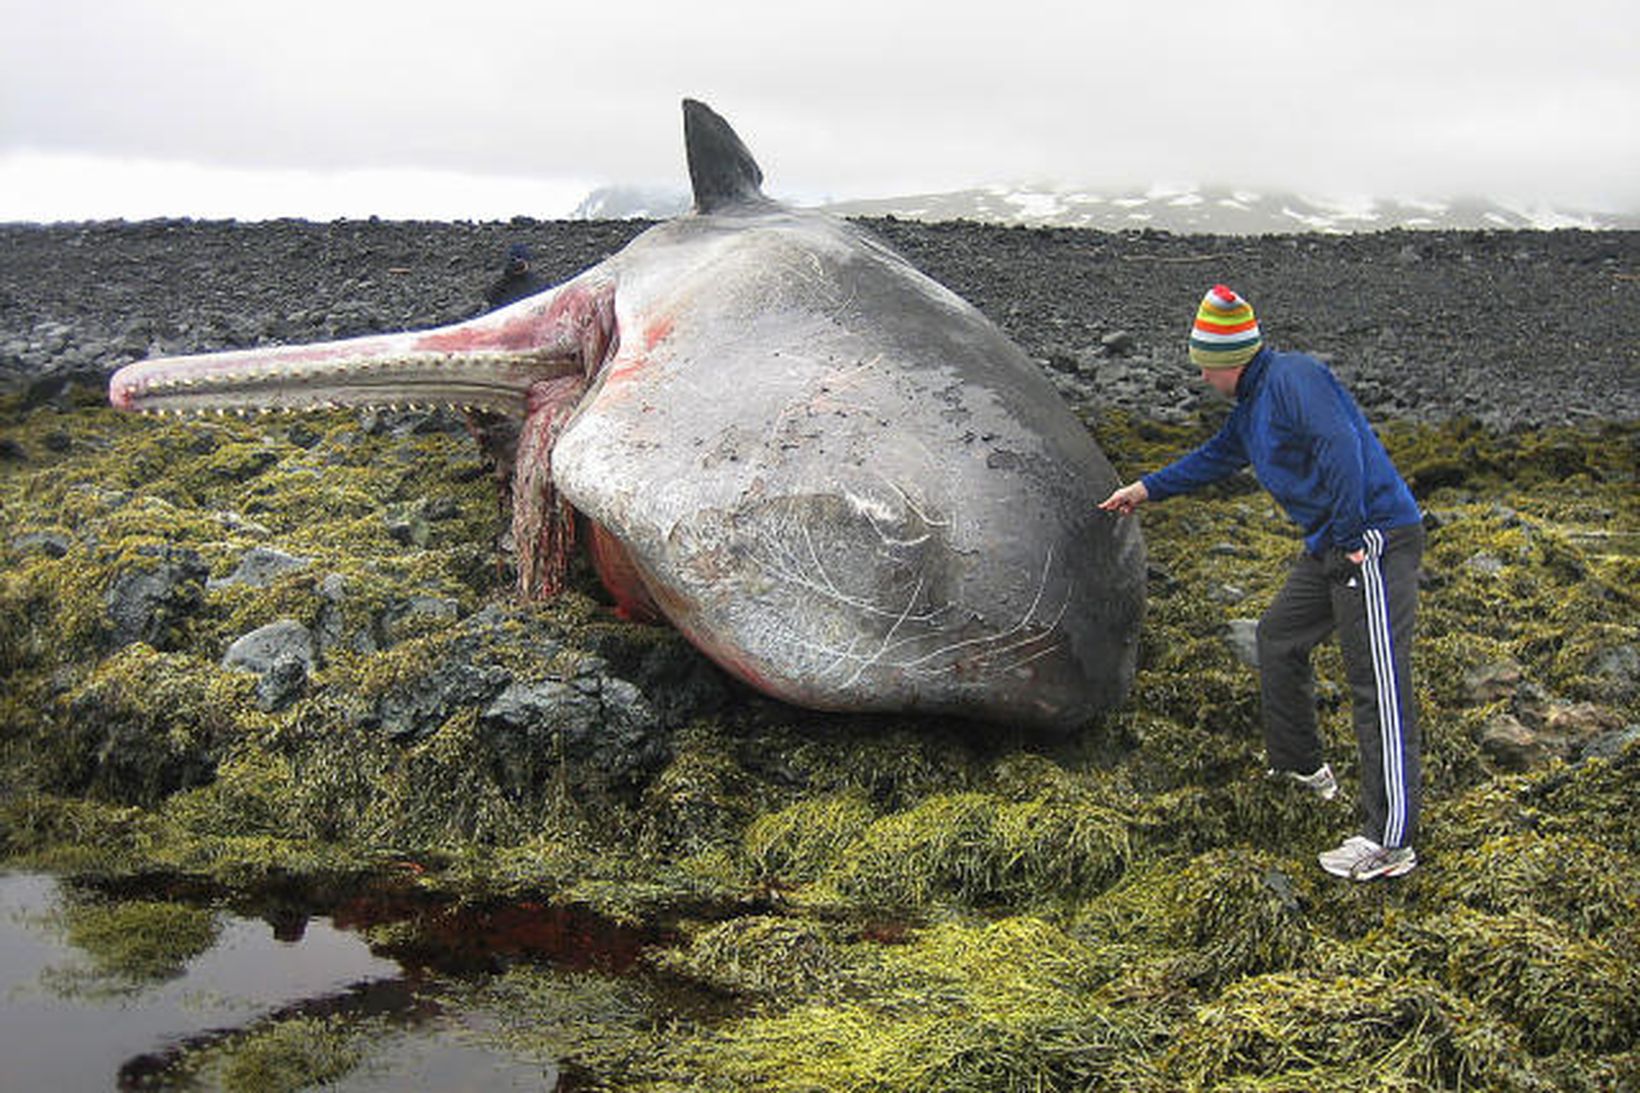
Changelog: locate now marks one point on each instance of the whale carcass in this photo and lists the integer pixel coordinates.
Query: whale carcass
(838, 479)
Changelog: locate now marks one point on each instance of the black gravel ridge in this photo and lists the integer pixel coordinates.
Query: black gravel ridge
(1512, 328)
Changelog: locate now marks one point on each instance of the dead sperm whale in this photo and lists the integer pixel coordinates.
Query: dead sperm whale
(833, 475)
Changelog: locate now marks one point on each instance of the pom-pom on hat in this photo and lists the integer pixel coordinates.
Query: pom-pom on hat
(1225, 334)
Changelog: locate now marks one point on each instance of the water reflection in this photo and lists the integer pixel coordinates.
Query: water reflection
(99, 993)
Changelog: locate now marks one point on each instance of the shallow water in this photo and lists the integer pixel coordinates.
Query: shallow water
(68, 1024)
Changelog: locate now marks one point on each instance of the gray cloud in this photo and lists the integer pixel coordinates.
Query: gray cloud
(854, 99)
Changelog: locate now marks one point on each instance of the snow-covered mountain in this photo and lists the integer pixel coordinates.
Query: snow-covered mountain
(1174, 209)
(631, 203)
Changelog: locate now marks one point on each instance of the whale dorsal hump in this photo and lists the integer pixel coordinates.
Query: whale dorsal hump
(721, 170)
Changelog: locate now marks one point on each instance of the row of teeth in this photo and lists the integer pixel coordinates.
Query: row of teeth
(510, 369)
(506, 363)
(244, 411)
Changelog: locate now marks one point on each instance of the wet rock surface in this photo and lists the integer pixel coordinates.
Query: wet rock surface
(1511, 328)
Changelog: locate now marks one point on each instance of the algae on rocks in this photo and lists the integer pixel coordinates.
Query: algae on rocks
(861, 902)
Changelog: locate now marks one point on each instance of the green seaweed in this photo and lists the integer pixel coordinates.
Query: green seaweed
(1564, 990)
(1565, 876)
(796, 844)
(283, 1056)
(1010, 1005)
(979, 849)
(858, 902)
(762, 957)
(1291, 1031)
(139, 941)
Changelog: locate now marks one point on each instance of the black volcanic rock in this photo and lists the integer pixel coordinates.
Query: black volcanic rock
(1512, 328)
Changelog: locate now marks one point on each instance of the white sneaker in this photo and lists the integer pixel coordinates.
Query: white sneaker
(1359, 858)
(1321, 783)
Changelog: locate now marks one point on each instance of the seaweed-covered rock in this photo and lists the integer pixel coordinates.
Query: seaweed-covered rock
(980, 848)
(1012, 1004)
(415, 710)
(1563, 730)
(1575, 726)
(679, 683)
(1511, 745)
(143, 726)
(333, 629)
(259, 567)
(49, 543)
(152, 598)
(797, 843)
(1566, 876)
(1241, 635)
(1613, 744)
(1618, 668)
(1491, 681)
(409, 617)
(593, 725)
(546, 705)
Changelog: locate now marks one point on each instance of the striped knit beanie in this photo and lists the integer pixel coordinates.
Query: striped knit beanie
(1225, 334)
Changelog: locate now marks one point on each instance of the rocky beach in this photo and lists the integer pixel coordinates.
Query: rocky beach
(1510, 328)
(276, 664)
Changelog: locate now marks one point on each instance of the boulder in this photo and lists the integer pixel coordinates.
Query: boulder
(282, 654)
(153, 597)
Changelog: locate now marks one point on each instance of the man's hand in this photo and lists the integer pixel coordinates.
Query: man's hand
(1126, 499)
(1357, 556)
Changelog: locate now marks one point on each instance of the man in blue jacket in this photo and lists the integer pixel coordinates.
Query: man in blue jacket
(1310, 446)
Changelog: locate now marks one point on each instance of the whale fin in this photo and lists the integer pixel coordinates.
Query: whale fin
(721, 169)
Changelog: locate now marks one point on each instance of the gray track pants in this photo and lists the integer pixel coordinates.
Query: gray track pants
(1373, 608)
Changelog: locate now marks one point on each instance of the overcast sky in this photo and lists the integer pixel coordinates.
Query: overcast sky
(480, 110)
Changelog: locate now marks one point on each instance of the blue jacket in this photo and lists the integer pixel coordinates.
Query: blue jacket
(1310, 447)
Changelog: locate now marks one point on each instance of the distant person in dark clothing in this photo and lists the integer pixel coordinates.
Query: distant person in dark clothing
(517, 279)
(497, 434)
